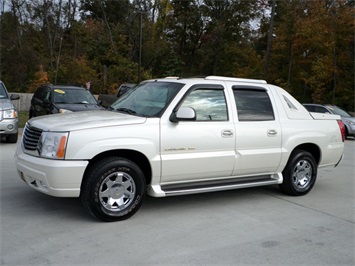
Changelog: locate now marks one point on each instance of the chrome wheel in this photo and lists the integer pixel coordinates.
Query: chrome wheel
(117, 191)
(302, 174)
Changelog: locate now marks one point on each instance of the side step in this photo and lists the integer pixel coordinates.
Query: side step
(219, 185)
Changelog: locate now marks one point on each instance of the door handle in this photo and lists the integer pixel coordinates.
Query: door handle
(227, 133)
(272, 132)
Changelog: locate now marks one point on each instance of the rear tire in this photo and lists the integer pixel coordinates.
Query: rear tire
(113, 189)
(300, 174)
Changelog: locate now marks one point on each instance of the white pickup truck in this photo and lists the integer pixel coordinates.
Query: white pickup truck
(176, 136)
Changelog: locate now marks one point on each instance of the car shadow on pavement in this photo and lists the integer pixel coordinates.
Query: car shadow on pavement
(40, 206)
(206, 200)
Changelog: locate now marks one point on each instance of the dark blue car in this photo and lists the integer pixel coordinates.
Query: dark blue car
(52, 99)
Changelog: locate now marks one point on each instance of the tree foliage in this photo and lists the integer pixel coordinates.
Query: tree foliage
(111, 42)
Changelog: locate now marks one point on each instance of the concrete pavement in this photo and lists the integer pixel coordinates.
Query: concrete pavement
(258, 226)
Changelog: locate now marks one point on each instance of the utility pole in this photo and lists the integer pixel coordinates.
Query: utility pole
(58, 59)
(269, 41)
(140, 46)
(140, 11)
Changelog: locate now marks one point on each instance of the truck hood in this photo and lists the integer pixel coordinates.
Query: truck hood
(84, 120)
(75, 107)
(5, 104)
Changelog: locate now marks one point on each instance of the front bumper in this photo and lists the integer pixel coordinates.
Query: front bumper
(8, 126)
(59, 178)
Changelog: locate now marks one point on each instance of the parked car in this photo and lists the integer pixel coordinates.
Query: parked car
(8, 115)
(108, 99)
(348, 119)
(52, 99)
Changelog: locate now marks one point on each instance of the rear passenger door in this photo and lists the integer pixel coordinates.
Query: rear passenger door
(258, 132)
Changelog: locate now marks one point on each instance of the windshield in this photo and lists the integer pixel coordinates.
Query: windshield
(336, 110)
(148, 99)
(3, 93)
(71, 96)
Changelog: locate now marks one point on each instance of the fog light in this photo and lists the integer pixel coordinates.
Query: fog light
(10, 127)
(22, 176)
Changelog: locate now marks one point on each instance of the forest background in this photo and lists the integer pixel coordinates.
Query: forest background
(304, 46)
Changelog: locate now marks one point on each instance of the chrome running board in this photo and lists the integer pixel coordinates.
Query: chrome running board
(220, 185)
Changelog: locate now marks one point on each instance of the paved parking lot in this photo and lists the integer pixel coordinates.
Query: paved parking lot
(258, 226)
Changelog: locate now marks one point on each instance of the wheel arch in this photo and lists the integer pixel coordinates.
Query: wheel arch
(138, 158)
(311, 148)
(346, 130)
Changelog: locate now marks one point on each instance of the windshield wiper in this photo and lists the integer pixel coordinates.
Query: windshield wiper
(126, 110)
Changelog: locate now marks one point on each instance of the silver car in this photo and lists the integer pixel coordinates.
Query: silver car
(348, 119)
(8, 115)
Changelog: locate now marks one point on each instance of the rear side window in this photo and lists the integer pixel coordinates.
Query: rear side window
(289, 103)
(253, 105)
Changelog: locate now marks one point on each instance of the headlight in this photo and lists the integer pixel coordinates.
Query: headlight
(349, 122)
(53, 145)
(10, 113)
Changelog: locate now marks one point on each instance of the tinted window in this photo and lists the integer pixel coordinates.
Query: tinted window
(253, 105)
(208, 104)
(310, 108)
(40, 93)
(320, 109)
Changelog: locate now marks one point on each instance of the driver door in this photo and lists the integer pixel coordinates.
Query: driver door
(201, 149)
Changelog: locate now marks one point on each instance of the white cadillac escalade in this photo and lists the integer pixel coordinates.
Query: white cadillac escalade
(176, 136)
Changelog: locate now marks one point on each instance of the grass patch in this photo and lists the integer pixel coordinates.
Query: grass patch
(22, 118)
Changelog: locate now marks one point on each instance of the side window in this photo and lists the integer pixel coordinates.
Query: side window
(253, 105)
(209, 104)
(310, 108)
(2, 91)
(40, 93)
(48, 95)
(320, 109)
(289, 103)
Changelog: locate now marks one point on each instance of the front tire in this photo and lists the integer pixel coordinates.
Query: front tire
(300, 174)
(12, 138)
(113, 189)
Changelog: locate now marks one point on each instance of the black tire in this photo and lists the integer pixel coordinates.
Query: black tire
(346, 132)
(12, 138)
(31, 113)
(300, 174)
(113, 189)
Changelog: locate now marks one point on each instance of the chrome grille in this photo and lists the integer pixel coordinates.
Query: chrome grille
(31, 137)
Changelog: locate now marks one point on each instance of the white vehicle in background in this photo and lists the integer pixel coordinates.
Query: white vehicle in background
(8, 115)
(176, 136)
(348, 119)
